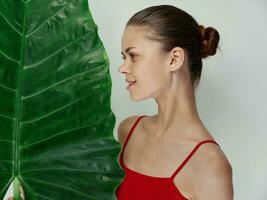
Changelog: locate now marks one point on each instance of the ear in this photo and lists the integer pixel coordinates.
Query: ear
(176, 58)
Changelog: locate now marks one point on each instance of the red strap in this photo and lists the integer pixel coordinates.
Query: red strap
(190, 155)
(128, 137)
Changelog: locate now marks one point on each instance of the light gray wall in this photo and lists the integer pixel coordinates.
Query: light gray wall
(232, 95)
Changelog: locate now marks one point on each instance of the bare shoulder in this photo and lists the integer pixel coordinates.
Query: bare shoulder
(213, 174)
(124, 128)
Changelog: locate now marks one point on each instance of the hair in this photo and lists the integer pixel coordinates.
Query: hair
(174, 27)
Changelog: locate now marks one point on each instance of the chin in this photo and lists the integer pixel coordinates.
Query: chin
(135, 98)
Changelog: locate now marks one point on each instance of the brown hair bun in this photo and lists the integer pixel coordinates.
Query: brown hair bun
(210, 39)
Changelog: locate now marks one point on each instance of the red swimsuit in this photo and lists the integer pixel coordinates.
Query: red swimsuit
(137, 186)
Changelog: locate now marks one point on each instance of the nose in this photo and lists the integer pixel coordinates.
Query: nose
(123, 69)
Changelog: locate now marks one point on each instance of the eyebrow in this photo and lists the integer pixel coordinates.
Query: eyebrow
(128, 49)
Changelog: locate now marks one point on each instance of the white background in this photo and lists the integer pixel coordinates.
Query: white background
(232, 94)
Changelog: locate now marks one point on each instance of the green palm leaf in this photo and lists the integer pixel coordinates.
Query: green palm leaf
(56, 124)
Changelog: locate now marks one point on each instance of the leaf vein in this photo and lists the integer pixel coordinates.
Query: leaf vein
(38, 27)
(61, 108)
(8, 88)
(10, 24)
(53, 136)
(67, 169)
(8, 117)
(56, 84)
(55, 53)
(9, 182)
(12, 59)
(7, 141)
(45, 197)
(59, 186)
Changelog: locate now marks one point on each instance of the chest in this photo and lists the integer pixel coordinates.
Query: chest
(160, 160)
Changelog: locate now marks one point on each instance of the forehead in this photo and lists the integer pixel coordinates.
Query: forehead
(135, 36)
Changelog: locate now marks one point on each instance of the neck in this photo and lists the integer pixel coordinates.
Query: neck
(177, 112)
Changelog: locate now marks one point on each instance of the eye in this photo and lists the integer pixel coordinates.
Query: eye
(132, 56)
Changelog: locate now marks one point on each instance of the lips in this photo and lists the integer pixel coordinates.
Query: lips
(130, 83)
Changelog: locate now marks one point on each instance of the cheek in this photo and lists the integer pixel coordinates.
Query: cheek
(155, 77)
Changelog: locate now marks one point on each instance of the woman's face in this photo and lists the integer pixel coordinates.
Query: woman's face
(145, 63)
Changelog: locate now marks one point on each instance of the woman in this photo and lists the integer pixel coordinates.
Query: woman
(163, 47)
